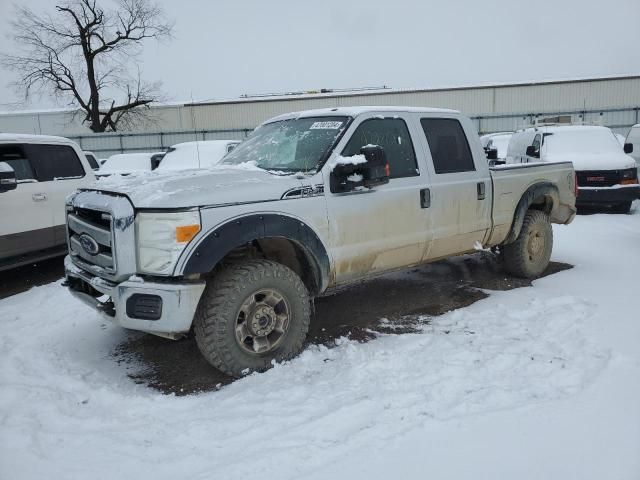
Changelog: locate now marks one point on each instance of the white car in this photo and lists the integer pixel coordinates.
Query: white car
(499, 142)
(484, 139)
(126, 164)
(37, 174)
(606, 175)
(188, 155)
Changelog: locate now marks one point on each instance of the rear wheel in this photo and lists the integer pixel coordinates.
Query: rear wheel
(624, 207)
(251, 314)
(529, 255)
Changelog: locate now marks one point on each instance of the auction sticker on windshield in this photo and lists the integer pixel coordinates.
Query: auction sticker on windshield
(325, 125)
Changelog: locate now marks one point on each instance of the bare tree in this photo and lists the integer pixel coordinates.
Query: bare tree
(84, 55)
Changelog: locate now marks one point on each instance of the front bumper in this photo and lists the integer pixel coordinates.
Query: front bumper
(179, 300)
(607, 195)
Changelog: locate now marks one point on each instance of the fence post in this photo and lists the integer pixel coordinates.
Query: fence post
(121, 147)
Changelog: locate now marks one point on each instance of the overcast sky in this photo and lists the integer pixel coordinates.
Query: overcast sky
(222, 49)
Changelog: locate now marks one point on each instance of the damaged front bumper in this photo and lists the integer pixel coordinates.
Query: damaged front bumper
(161, 308)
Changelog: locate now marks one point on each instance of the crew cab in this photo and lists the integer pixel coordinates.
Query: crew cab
(607, 176)
(37, 174)
(309, 201)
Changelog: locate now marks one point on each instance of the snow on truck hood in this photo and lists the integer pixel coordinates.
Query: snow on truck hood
(220, 185)
(594, 161)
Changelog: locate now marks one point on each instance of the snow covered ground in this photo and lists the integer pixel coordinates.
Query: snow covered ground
(538, 382)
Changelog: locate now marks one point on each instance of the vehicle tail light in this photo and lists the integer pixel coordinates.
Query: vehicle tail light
(575, 184)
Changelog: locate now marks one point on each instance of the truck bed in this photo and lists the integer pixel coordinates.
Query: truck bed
(511, 181)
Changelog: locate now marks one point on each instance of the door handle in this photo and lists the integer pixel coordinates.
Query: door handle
(481, 190)
(425, 198)
(39, 197)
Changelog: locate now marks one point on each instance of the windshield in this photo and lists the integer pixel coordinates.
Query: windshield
(295, 145)
(588, 141)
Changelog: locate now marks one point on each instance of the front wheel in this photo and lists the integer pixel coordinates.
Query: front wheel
(529, 255)
(250, 314)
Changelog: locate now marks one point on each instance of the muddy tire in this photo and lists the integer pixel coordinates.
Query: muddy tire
(529, 255)
(624, 207)
(250, 314)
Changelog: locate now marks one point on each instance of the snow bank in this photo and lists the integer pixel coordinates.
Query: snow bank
(537, 382)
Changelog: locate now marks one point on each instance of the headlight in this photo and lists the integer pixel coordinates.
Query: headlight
(161, 238)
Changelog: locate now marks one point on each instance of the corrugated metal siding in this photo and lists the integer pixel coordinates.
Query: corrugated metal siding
(548, 98)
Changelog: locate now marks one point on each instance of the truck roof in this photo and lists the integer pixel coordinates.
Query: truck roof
(26, 138)
(355, 111)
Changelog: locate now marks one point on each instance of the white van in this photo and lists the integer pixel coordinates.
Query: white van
(38, 173)
(606, 175)
(205, 154)
(633, 137)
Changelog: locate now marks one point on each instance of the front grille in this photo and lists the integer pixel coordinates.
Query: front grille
(599, 178)
(89, 226)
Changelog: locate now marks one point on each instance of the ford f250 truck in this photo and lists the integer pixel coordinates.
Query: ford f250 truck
(310, 200)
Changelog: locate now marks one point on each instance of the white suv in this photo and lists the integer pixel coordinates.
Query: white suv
(38, 172)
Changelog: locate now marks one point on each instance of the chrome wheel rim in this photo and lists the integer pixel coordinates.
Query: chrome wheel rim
(262, 321)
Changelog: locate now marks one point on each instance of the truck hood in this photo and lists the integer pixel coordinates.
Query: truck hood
(220, 185)
(594, 161)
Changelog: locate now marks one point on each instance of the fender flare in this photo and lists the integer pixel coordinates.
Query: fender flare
(531, 194)
(221, 240)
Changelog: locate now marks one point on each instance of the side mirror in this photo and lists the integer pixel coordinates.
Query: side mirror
(369, 169)
(532, 152)
(492, 154)
(7, 178)
(628, 148)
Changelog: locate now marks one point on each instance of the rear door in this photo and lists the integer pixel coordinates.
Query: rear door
(60, 167)
(26, 215)
(460, 186)
(386, 227)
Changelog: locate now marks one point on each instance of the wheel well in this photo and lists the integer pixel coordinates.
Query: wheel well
(284, 251)
(542, 202)
(541, 196)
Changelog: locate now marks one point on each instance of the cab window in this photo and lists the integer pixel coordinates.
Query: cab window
(15, 157)
(448, 144)
(391, 134)
(55, 162)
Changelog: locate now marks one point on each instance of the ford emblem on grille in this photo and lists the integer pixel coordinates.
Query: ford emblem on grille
(88, 244)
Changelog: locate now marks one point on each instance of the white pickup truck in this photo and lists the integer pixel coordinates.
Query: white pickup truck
(37, 173)
(309, 201)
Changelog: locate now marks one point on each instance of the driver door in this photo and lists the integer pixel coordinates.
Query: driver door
(387, 227)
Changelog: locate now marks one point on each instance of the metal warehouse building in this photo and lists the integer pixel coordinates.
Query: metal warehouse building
(610, 101)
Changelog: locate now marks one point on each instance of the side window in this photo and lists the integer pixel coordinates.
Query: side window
(448, 144)
(536, 142)
(55, 162)
(14, 155)
(391, 134)
(93, 163)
